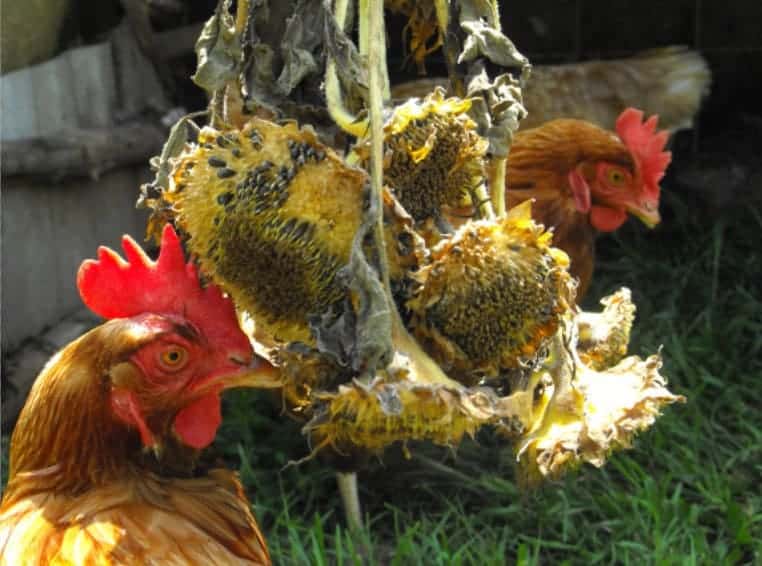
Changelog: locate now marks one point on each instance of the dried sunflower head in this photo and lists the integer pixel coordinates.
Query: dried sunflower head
(491, 296)
(271, 214)
(583, 414)
(411, 399)
(433, 156)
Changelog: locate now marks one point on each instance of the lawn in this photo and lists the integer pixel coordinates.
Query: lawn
(688, 493)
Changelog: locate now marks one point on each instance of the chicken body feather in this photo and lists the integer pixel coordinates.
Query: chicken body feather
(141, 519)
(668, 81)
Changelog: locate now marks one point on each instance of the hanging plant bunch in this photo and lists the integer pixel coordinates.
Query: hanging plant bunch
(387, 324)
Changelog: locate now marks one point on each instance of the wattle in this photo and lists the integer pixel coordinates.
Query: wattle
(607, 219)
(197, 424)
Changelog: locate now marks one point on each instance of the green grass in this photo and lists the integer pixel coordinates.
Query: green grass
(688, 493)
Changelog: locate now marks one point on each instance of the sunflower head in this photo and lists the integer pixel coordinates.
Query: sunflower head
(491, 296)
(433, 156)
(270, 213)
(411, 399)
(591, 414)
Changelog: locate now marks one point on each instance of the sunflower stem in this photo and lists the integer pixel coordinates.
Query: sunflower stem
(376, 68)
(497, 178)
(493, 15)
(350, 498)
(497, 184)
(364, 35)
(241, 17)
(483, 201)
(451, 46)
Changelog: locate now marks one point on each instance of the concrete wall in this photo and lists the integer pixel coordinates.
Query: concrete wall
(47, 230)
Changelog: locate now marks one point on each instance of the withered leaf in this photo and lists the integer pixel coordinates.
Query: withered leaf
(218, 50)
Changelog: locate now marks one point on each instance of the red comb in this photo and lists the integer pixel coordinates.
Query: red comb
(114, 288)
(645, 145)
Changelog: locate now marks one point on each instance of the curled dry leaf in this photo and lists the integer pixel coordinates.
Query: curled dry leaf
(604, 336)
(218, 50)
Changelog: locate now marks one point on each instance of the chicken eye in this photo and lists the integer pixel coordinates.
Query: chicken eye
(173, 358)
(616, 177)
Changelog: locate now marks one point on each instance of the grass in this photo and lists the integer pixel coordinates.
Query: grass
(688, 493)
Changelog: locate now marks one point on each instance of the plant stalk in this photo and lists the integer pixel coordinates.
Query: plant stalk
(497, 184)
(376, 68)
(350, 498)
(241, 17)
(364, 35)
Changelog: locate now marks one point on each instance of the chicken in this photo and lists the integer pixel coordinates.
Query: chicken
(668, 81)
(103, 457)
(585, 180)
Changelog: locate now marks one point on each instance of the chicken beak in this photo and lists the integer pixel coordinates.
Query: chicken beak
(255, 372)
(258, 373)
(646, 212)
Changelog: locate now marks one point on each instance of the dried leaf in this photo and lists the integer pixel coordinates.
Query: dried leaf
(497, 105)
(497, 108)
(482, 40)
(352, 72)
(300, 47)
(218, 50)
(361, 334)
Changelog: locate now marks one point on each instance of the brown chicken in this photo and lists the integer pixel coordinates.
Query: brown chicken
(585, 180)
(669, 81)
(103, 460)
